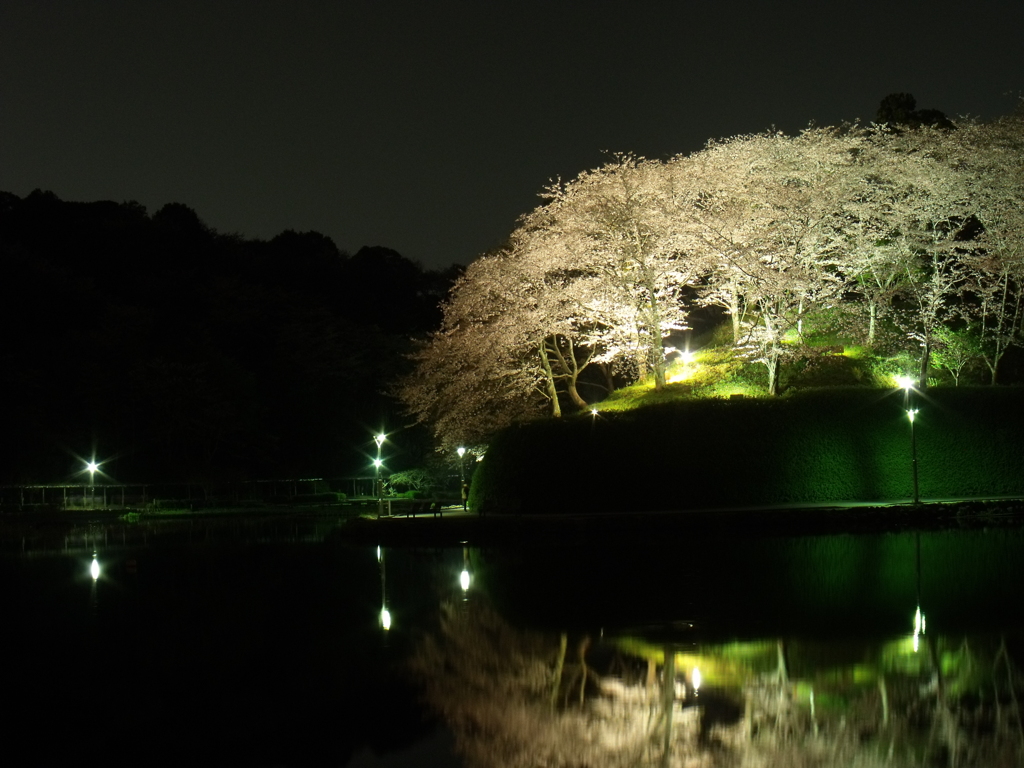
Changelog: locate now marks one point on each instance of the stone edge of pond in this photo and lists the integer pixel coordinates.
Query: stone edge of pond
(569, 528)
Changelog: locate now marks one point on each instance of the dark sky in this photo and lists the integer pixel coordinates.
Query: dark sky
(429, 127)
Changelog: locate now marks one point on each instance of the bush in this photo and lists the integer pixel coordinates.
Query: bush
(814, 446)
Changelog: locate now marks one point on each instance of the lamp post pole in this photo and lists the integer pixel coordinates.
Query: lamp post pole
(92, 466)
(908, 405)
(463, 490)
(911, 413)
(379, 439)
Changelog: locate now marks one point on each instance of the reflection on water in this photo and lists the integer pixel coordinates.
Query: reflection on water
(274, 643)
(703, 689)
(203, 647)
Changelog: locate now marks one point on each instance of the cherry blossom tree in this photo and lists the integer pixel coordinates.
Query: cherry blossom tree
(906, 222)
(926, 217)
(993, 156)
(509, 343)
(616, 228)
(762, 206)
(479, 372)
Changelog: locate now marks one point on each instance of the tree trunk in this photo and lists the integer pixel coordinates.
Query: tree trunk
(926, 355)
(556, 682)
(872, 319)
(549, 376)
(574, 394)
(772, 362)
(657, 350)
(668, 700)
(734, 310)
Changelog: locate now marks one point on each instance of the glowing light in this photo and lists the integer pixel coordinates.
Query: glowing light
(378, 552)
(919, 626)
(687, 370)
(92, 466)
(385, 619)
(379, 439)
(378, 463)
(593, 411)
(904, 382)
(696, 678)
(461, 451)
(94, 568)
(911, 412)
(464, 580)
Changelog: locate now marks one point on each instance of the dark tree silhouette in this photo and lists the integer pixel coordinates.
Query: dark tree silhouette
(899, 109)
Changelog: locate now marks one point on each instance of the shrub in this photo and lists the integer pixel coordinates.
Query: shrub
(814, 446)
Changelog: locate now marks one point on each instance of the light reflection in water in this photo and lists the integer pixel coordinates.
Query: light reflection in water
(524, 697)
(385, 614)
(570, 697)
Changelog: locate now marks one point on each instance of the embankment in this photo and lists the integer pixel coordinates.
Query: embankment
(815, 447)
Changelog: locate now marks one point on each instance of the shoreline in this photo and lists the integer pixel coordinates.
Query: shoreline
(643, 527)
(456, 527)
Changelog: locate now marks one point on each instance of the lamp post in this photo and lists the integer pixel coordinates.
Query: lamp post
(911, 413)
(379, 439)
(91, 467)
(908, 405)
(463, 488)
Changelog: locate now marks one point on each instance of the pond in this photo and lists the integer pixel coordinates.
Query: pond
(264, 643)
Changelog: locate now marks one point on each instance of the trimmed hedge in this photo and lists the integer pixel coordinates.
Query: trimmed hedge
(816, 446)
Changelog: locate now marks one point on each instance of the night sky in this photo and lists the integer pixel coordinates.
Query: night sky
(430, 127)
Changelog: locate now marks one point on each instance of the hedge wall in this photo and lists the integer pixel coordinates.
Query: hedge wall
(813, 447)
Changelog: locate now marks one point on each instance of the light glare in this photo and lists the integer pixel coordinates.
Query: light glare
(385, 618)
(919, 625)
(94, 569)
(464, 580)
(696, 678)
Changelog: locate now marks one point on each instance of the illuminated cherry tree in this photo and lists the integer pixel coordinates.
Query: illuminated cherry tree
(616, 229)
(509, 343)
(921, 229)
(762, 207)
(994, 157)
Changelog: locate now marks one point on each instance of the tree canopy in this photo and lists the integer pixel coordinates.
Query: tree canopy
(912, 226)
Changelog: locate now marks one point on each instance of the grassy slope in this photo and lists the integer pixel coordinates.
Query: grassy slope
(815, 447)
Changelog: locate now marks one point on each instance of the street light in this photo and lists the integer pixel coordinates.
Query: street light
(91, 468)
(907, 385)
(462, 470)
(911, 413)
(379, 440)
